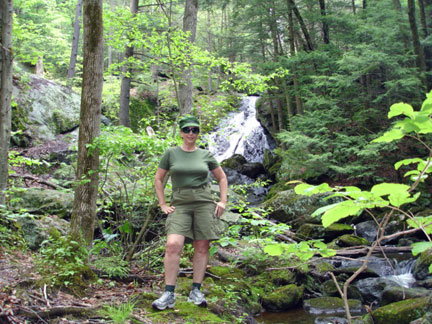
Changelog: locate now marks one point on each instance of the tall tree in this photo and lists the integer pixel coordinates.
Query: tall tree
(124, 118)
(325, 26)
(292, 5)
(5, 90)
(190, 19)
(423, 23)
(84, 209)
(418, 50)
(75, 40)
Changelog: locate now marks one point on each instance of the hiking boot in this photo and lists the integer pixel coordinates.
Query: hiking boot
(197, 297)
(166, 300)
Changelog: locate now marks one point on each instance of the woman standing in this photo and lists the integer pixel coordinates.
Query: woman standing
(192, 213)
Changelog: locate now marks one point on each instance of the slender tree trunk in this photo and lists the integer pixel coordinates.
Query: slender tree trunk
(124, 118)
(110, 48)
(84, 209)
(353, 6)
(298, 101)
(190, 19)
(210, 80)
(325, 27)
(75, 40)
(418, 50)
(423, 23)
(6, 59)
(364, 4)
(403, 32)
(273, 114)
(292, 5)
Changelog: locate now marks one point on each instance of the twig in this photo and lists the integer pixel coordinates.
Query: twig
(30, 177)
(45, 296)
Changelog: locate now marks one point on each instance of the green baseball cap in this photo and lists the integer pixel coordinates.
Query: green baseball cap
(189, 121)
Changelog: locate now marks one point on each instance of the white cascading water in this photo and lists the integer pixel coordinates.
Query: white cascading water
(240, 133)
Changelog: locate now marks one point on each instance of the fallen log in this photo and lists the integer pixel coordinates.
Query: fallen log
(56, 311)
(356, 250)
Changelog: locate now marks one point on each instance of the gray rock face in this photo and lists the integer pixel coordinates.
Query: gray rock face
(45, 109)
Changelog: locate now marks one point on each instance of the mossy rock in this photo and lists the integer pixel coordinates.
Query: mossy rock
(421, 268)
(397, 293)
(317, 231)
(330, 305)
(329, 289)
(322, 267)
(235, 162)
(283, 298)
(227, 272)
(366, 319)
(282, 277)
(402, 312)
(188, 312)
(351, 240)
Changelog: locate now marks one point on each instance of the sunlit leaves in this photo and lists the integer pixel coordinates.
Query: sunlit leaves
(420, 247)
(304, 250)
(425, 222)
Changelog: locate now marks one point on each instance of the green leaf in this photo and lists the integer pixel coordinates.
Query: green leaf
(407, 162)
(309, 190)
(390, 136)
(420, 247)
(401, 109)
(274, 249)
(323, 209)
(383, 189)
(430, 268)
(341, 210)
(416, 222)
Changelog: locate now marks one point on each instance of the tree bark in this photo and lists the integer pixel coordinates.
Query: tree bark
(298, 101)
(75, 40)
(110, 48)
(293, 7)
(325, 26)
(418, 50)
(6, 60)
(364, 4)
(423, 23)
(403, 32)
(190, 19)
(124, 118)
(84, 209)
(353, 6)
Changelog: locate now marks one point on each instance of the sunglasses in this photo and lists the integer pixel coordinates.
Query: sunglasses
(187, 130)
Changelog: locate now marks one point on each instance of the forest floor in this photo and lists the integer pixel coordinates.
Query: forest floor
(23, 301)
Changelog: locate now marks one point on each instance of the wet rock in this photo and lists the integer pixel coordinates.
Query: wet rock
(330, 320)
(398, 293)
(252, 170)
(330, 305)
(421, 268)
(402, 312)
(283, 298)
(234, 162)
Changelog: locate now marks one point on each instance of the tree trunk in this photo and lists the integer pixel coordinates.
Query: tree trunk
(325, 27)
(185, 86)
(75, 40)
(210, 80)
(110, 48)
(124, 118)
(403, 32)
(423, 18)
(293, 7)
(272, 114)
(353, 6)
(84, 209)
(418, 50)
(298, 101)
(364, 4)
(6, 60)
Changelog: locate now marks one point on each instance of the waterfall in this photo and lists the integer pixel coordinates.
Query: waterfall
(240, 133)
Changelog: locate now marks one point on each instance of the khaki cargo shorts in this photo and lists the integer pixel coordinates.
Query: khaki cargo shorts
(194, 214)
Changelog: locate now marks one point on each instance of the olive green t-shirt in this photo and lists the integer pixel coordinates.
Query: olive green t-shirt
(188, 169)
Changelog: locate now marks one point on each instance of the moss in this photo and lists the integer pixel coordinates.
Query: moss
(282, 277)
(227, 272)
(351, 240)
(402, 312)
(323, 267)
(283, 298)
(421, 269)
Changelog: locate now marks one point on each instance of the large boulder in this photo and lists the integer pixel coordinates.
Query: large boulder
(45, 202)
(288, 207)
(316, 231)
(397, 293)
(44, 109)
(402, 312)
